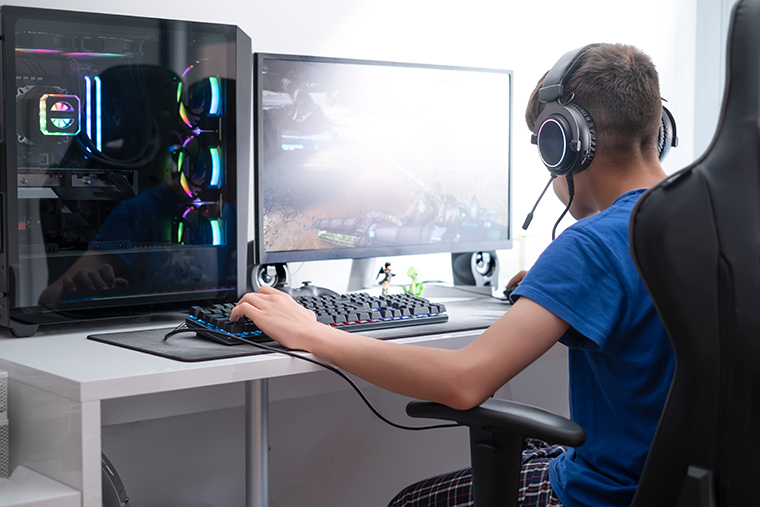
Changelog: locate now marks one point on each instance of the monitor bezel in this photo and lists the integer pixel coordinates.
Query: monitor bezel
(276, 257)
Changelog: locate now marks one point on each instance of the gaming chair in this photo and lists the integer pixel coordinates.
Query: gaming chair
(695, 239)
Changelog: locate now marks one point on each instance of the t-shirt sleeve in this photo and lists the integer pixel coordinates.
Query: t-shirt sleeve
(575, 279)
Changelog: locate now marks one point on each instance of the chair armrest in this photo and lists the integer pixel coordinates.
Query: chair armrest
(507, 416)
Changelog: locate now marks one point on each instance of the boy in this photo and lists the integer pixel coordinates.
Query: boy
(584, 291)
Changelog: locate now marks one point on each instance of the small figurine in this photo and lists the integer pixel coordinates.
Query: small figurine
(387, 275)
(416, 287)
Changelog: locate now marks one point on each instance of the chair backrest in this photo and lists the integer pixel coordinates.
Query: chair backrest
(695, 239)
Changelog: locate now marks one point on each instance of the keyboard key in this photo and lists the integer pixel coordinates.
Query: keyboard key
(325, 319)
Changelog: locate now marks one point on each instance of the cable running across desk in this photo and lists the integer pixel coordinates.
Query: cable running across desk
(182, 328)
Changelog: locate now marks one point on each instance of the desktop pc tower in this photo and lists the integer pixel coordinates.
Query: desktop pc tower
(124, 165)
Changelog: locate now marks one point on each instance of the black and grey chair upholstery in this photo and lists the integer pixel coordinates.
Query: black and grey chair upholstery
(695, 239)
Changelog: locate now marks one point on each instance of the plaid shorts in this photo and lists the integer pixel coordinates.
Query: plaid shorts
(454, 489)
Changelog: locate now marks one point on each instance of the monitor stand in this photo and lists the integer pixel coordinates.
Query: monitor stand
(363, 274)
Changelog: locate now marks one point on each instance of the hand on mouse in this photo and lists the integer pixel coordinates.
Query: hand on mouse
(514, 282)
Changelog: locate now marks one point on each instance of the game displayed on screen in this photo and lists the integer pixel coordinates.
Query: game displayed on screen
(359, 156)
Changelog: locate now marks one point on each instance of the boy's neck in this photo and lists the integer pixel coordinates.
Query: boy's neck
(610, 182)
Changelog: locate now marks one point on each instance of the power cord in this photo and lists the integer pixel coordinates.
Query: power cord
(182, 328)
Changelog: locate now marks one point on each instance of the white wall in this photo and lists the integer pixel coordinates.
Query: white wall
(710, 71)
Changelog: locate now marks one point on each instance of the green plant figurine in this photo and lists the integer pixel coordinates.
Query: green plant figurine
(416, 287)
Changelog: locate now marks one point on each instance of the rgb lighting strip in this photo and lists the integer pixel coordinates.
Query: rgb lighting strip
(213, 110)
(88, 82)
(88, 106)
(216, 167)
(184, 185)
(98, 115)
(216, 232)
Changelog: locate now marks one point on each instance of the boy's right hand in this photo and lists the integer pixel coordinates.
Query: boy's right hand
(515, 280)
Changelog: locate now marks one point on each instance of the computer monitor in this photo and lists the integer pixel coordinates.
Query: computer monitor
(359, 159)
(126, 157)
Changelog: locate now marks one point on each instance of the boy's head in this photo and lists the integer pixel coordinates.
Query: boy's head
(618, 86)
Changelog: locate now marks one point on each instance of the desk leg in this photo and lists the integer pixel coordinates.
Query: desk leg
(91, 461)
(256, 443)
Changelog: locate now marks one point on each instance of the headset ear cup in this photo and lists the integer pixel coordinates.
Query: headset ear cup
(662, 139)
(588, 157)
(570, 145)
(666, 137)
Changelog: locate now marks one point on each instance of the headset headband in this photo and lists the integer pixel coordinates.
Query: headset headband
(556, 79)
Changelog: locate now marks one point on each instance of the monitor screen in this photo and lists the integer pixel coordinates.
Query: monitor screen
(360, 159)
(123, 149)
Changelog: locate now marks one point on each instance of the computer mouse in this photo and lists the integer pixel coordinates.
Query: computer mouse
(306, 289)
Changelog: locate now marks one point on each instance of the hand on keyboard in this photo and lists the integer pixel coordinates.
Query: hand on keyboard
(279, 316)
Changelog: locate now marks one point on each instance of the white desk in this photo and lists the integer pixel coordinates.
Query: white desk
(57, 381)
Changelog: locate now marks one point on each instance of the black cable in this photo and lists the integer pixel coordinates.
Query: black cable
(134, 162)
(571, 191)
(287, 352)
(152, 141)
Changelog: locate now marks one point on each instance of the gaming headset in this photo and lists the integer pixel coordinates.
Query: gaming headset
(565, 133)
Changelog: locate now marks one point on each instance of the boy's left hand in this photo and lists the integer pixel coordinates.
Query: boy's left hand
(278, 315)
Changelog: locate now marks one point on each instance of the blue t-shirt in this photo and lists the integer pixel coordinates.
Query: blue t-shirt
(620, 359)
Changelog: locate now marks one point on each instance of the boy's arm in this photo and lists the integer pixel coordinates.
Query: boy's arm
(461, 378)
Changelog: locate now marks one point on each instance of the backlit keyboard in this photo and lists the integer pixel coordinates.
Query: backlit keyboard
(350, 312)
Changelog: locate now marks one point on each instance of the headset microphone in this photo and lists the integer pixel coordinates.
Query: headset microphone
(530, 215)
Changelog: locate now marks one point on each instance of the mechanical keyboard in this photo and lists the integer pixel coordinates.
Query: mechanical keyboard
(350, 312)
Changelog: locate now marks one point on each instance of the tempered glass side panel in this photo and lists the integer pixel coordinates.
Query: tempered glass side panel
(124, 150)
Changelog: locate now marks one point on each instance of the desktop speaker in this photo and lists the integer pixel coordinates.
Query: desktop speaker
(273, 275)
(480, 269)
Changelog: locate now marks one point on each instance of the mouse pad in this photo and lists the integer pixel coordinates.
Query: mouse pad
(464, 315)
(187, 347)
